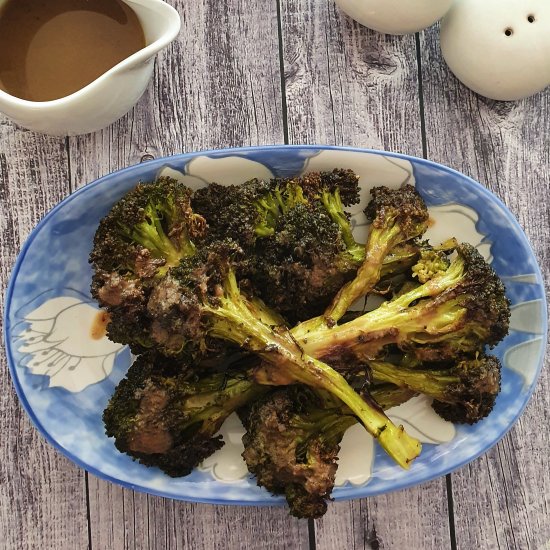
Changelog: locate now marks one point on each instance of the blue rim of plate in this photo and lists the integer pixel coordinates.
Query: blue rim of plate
(186, 157)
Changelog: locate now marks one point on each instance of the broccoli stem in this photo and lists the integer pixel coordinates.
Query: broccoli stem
(237, 320)
(335, 208)
(388, 396)
(151, 235)
(330, 424)
(433, 383)
(379, 244)
(393, 321)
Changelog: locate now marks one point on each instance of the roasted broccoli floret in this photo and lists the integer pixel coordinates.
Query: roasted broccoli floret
(464, 392)
(295, 233)
(396, 216)
(292, 442)
(232, 211)
(457, 312)
(432, 260)
(167, 419)
(148, 231)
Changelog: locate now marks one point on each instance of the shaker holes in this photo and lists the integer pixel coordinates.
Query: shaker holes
(531, 18)
(508, 32)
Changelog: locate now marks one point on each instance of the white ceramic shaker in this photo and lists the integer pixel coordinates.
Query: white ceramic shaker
(499, 48)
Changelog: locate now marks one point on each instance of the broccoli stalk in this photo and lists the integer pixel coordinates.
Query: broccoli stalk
(162, 416)
(397, 216)
(458, 311)
(332, 202)
(234, 318)
(463, 393)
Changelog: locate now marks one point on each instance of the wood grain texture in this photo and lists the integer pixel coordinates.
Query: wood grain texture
(42, 495)
(216, 86)
(501, 500)
(127, 520)
(414, 518)
(346, 85)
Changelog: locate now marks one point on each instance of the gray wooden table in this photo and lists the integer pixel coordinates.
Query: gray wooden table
(247, 72)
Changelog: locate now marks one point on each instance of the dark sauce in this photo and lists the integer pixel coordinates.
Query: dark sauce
(52, 48)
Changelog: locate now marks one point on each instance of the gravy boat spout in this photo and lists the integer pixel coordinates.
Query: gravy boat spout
(109, 96)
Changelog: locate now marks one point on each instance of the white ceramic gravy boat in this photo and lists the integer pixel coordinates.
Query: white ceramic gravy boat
(112, 94)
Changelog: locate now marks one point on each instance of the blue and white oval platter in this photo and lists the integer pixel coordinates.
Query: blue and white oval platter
(64, 373)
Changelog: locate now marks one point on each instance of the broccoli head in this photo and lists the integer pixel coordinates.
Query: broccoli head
(164, 415)
(464, 392)
(291, 446)
(148, 231)
(297, 238)
(293, 438)
(396, 216)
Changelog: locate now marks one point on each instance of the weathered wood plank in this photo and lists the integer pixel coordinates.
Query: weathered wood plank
(218, 85)
(346, 85)
(405, 519)
(130, 520)
(501, 500)
(42, 495)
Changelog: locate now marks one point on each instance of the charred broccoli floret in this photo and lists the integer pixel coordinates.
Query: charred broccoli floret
(148, 231)
(465, 392)
(457, 312)
(396, 216)
(231, 211)
(291, 445)
(167, 419)
(292, 442)
(297, 233)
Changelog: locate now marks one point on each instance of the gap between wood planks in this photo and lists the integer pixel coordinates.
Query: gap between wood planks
(448, 478)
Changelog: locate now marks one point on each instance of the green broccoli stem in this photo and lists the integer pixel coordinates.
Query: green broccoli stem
(388, 395)
(216, 399)
(330, 424)
(335, 208)
(432, 383)
(399, 260)
(151, 235)
(236, 319)
(302, 368)
(379, 244)
(393, 321)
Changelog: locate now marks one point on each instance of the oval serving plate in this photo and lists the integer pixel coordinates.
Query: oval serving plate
(64, 372)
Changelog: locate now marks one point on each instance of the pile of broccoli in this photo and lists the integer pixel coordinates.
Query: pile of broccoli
(237, 298)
